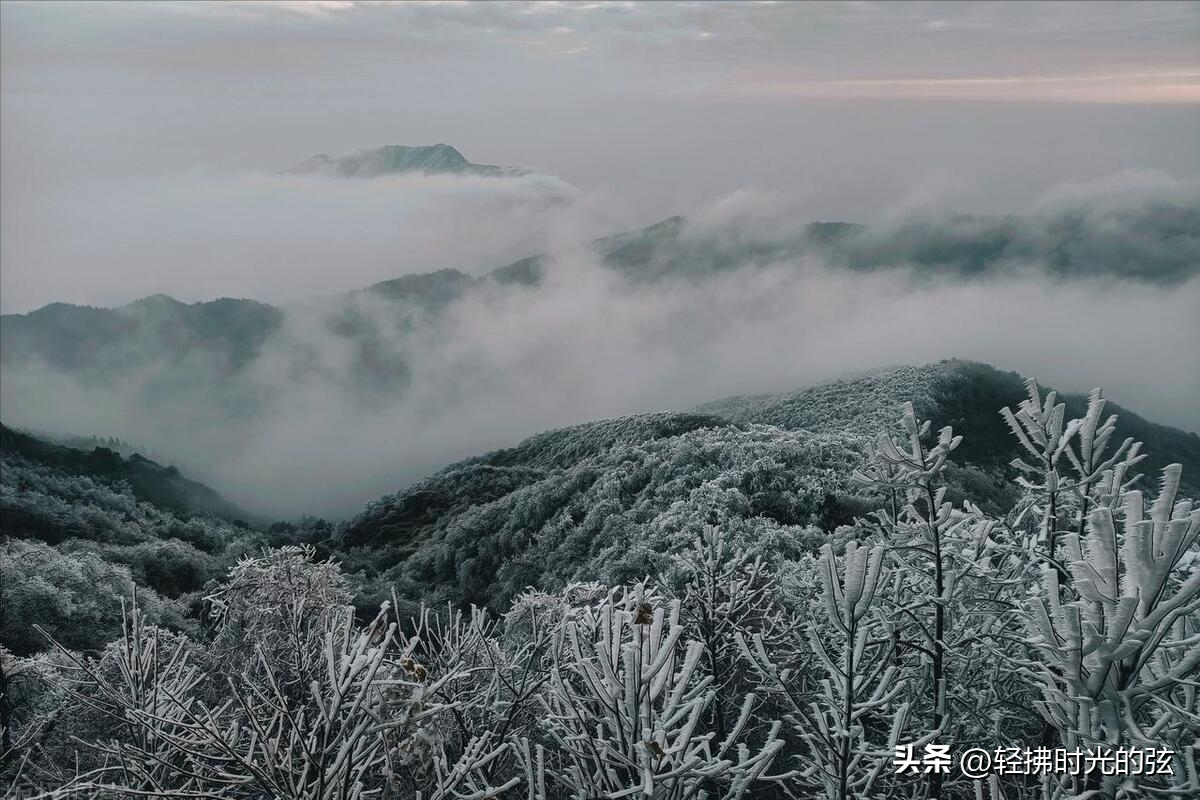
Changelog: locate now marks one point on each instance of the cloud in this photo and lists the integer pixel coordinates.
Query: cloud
(1135, 87)
(302, 429)
(586, 346)
(1123, 188)
(272, 237)
(1115, 52)
(752, 213)
(785, 112)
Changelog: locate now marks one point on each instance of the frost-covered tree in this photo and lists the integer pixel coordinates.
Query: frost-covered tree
(919, 527)
(851, 725)
(624, 712)
(1060, 493)
(1119, 665)
(728, 593)
(350, 731)
(766, 657)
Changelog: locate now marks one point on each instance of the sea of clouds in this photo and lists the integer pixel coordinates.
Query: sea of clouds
(296, 432)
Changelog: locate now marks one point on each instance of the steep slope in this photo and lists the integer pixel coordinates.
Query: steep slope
(964, 394)
(83, 532)
(602, 501)
(163, 487)
(610, 500)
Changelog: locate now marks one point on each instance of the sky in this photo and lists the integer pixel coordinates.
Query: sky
(851, 109)
(142, 146)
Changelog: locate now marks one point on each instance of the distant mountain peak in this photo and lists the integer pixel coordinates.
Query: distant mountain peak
(396, 159)
(156, 301)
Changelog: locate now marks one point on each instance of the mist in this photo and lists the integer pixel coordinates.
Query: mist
(299, 431)
(202, 234)
(125, 122)
(1027, 175)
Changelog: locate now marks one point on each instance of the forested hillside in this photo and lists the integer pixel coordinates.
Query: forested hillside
(148, 481)
(612, 515)
(609, 500)
(82, 531)
(668, 604)
(952, 392)
(603, 501)
(653, 452)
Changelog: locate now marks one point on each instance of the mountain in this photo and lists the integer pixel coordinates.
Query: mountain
(966, 395)
(1155, 243)
(674, 249)
(436, 159)
(150, 482)
(83, 533)
(610, 500)
(93, 342)
(431, 290)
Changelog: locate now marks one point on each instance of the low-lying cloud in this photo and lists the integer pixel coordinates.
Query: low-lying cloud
(273, 237)
(354, 396)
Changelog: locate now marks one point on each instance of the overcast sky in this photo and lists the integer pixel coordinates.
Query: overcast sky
(851, 109)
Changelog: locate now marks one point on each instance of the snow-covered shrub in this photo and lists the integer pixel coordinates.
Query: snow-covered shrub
(624, 712)
(348, 731)
(851, 720)
(1114, 610)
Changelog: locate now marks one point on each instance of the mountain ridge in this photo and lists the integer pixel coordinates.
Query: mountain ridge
(672, 247)
(609, 499)
(162, 486)
(606, 499)
(435, 159)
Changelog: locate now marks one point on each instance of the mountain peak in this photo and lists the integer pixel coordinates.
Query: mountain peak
(157, 301)
(393, 159)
